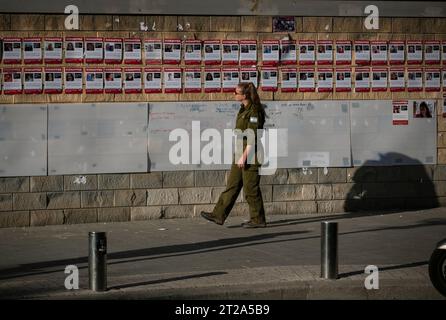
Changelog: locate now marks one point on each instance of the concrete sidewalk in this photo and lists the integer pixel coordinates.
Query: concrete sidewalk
(196, 259)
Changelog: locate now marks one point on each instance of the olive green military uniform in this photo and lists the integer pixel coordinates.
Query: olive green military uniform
(247, 177)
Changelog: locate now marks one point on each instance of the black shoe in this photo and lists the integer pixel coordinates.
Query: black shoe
(251, 224)
(208, 216)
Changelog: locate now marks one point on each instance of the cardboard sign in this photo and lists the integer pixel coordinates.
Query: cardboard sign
(113, 80)
(172, 80)
(231, 79)
(270, 52)
(379, 52)
(192, 52)
(231, 52)
(94, 50)
(307, 55)
(12, 50)
(324, 52)
(32, 50)
(343, 55)
(12, 81)
(431, 52)
(152, 80)
(113, 50)
(212, 80)
(414, 79)
(212, 52)
(289, 80)
(74, 50)
(132, 51)
(192, 82)
(53, 50)
(153, 51)
(94, 80)
(307, 82)
(325, 80)
(248, 52)
(268, 80)
(132, 80)
(379, 79)
(249, 74)
(288, 53)
(32, 83)
(362, 52)
(362, 79)
(397, 50)
(432, 79)
(172, 51)
(53, 80)
(400, 114)
(414, 51)
(397, 79)
(343, 79)
(73, 80)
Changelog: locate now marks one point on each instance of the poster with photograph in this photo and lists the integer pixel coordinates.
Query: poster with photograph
(171, 51)
(362, 79)
(192, 52)
(172, 80)
(307, 55)
(73, 80)
(343, 55)
(94, 50)
(307, 81)
(397, 50)
(12, 81)
(414, 51)
(423, 109)
(443, 77)
(53, 80)
(32, 50)
(94, 80)
(53, 50)
(230, 54)
(379, 53)
(152, 80)
(414, 79)
(153, 53)
(443, 52)
(288, 80)
(32, 80)
(212, 52)
(400, 114)
(248, 52)
(432, 79)
(397, 80)
(268, 79)
(212, 80)
(444, 105)
(74, 50)
(284, 24)
(249, 74)
(343, 79)
(362, 52)
(132, 80)
(231, 79)
(288, 53)
(324, 52)
(113, 80)
(379, 79)
(325, 80)
(113, 50)
(132, 51)
(270, 52)
(432, 52)
(12, 50)
(192, 81)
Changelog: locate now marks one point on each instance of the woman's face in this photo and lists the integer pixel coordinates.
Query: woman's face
(423, 111)
(238, 94)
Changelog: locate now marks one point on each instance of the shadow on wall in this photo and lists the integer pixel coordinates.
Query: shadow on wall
(378, 186)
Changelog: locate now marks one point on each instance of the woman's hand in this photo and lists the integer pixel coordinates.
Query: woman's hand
(241, 161)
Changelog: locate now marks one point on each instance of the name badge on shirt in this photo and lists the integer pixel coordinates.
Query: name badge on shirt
(253, 119)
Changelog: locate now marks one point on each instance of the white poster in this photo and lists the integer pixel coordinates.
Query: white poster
(343, 79)
(270, 52)
(324, 52)
(443, 76)
(379, 52)
(94, 50)
(362, 52)
(397, 51)
(172, 51)
(379, 79)
(53, 50)
(307, 82)
(362, 79)
(74, 50)
(32, 50)
(432, 79)
(132, 51)
(192, 52)
(414, 79)
(231, 79)
(289, 80)
(325, 80)
(343, 55)
(113, 50)
(432, 52)
(73, 80)
(414, 52)
(32, 82)
(212, 80)
(248, 52)
(172, 80)
(400, 114)
(153, 51)
(132, 80)
(307, 55)
(152, 80)
(269, 79)
(231, 50)
(192, 81)
(212, 52)
(249, 75)
(53, 80)
(113, 80)
(12, 50)
(12, 81)
(288, 53)
(397, 79)
(94, 80)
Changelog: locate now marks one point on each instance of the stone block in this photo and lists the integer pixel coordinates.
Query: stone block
(267, 193)
(440, 188)
(361, 174)
(433, 25)
(46, 183)
(63, 200)
(47, 217)
(5, 22)
(96, 22)
(223, 23)
(275, 208)
(80, 182)
(300, 176)
(128, 22)
(317, 24)
(113, 214)
(324, 192)
(279, 177)
(29, 201)
(347, 24)
(146, 180)
(296, 207)
(294, 192)
(439, 172)
(210, 178)
(77, 216)
(333, 206)
(384, 26)
(240, 209)
(391, 174)
(162, 196)
(55, 22)
(441, 156)
(420, 173)
(97, 199)
(146, 213)
(183, 211)
(31, 22)
(130, 198)
(178, 179)
(6, 202)
(113, 181)
(11, 219)
(195, 23)
(256, 24)
(194, 195)
(347, 191)
(406, 25)
(332, 175)
(162, 23)
(16, 184)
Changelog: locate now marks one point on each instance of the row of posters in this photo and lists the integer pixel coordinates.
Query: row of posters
(215, 52)
(215, 79)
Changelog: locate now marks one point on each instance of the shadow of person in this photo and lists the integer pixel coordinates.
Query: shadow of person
(394, 182)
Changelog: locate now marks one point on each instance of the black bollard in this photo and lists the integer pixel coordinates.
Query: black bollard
(97, 261)
(329, 250)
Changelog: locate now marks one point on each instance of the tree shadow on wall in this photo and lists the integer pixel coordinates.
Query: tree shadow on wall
(394, 182)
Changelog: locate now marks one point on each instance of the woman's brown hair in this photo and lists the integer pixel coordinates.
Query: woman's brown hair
(249, 90)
